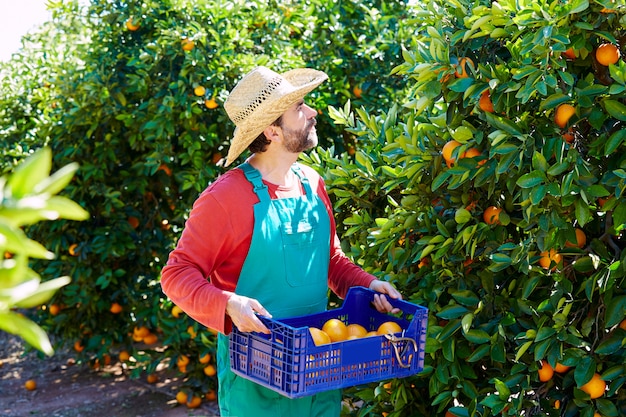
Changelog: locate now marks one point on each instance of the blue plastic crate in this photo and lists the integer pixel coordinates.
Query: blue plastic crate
(288, 362)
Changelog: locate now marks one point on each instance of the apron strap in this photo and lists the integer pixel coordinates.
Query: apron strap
(303, 179)
(255, 178)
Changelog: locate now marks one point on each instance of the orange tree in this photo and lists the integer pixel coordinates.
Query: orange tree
(134, 92)
(512, 237)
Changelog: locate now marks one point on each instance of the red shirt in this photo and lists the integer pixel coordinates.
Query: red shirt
(211, 251)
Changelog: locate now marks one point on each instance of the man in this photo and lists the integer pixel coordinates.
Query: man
(261, 238)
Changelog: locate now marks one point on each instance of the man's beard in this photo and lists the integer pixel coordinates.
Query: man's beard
(297, 141)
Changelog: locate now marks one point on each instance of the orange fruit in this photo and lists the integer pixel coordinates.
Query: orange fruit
(596, 414)
(358, 91)
(217, 156)
(557, 404)
(78, 346)
(336, 330)
(182, 360)
(211, 103)
(357, 330)
(116, 308)
(194, 402)
(485, 103)
(141, 331)
(176, 311)
(133, 221)
(319, 337)
(181, 397)
(54, 309)
(447, 151)
(372, 333)
(211, 395)
(210, 370)
(607, 54)
(30, 385)
(463, 65)
(192, 332)
(152, 378)
(550, 257)
(124, 356)
(389, 327)
(569, 136)
(595, 387)
(204, 359)
(491, 215)
(560, 368)
(570, 53)
(581, 240)
(473, 152)
(563, 113)
(188, 44)
(150, 339)
(72, 249)
(199, 90)
(130, 25)
(166, 169)
(545, 372)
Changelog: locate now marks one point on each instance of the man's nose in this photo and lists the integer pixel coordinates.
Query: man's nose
(310, 111)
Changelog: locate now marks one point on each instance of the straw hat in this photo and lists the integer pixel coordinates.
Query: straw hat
(261, 97)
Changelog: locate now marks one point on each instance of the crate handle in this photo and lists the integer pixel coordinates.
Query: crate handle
(394, 342)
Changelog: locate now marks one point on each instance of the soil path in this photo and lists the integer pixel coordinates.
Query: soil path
(68, 390)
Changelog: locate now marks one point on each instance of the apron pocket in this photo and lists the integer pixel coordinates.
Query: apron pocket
(300, 256)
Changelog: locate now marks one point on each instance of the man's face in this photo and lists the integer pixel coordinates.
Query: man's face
(298, 127)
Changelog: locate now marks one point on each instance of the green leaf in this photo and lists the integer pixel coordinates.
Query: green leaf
(66, 208)
(480, 352)
(503, 391)
(522, 350)
(609, 346)
(452, 312)
(504, 124)
(615, 311)
(539, 162)
(19, 325)
(42, 293)
(614, 141)
(584, 370)
(477, 336)
(531, 179)
(440, 180)
(30, 172)
(465, 297)
(544, 333)
(578, 6)
(58, 181)
(615, 109)
(462, 216)
(499, 261)
(466, 322)
(553, 101)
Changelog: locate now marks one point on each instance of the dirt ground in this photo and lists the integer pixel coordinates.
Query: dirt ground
(65, 389)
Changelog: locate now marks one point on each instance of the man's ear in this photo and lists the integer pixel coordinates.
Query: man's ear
(272, 132)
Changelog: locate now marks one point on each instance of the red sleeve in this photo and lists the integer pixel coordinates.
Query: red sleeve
(342, 272)
(208, 258)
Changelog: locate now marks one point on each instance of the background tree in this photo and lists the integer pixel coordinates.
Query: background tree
(494, 196)
(134, 92)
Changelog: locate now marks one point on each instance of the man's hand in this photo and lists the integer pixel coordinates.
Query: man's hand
(380, 301)
(242, 312)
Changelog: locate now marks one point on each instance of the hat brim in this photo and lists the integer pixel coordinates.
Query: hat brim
(303, 80)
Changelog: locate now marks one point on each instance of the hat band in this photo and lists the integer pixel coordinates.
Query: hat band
(263, 95)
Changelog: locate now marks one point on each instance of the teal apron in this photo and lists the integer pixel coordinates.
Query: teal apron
(286, 270)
